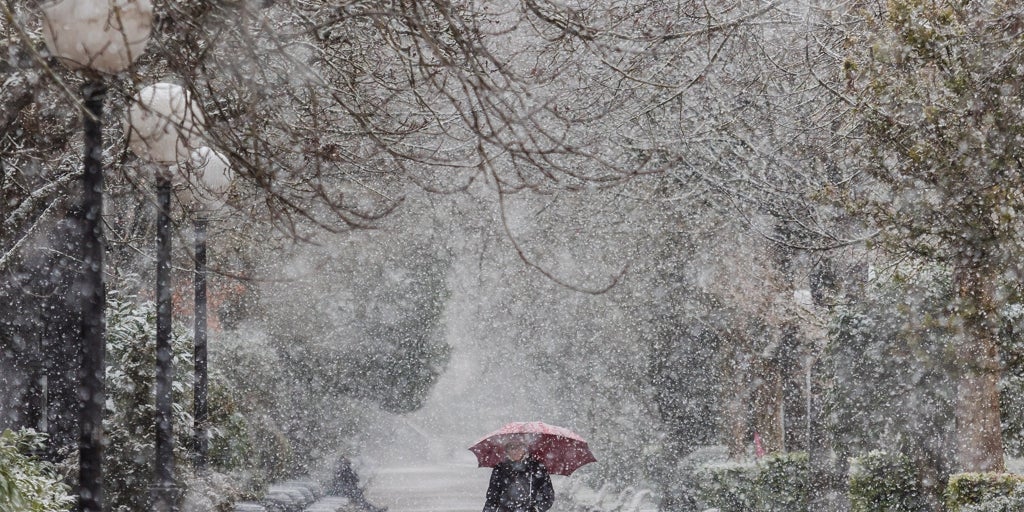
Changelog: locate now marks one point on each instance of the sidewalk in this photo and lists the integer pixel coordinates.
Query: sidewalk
(296, 496)
(450, 487)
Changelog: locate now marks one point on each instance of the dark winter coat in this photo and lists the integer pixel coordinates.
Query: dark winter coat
(508, 477)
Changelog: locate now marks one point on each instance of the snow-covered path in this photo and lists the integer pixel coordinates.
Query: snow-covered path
(443, 487)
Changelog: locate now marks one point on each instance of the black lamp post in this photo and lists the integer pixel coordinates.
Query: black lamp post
(163, 125)
(209, 176)
(92, 294)
(164, 488)
(200, 385)
(98, 36)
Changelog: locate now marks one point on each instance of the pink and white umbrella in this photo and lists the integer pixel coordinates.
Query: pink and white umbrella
(561, 450)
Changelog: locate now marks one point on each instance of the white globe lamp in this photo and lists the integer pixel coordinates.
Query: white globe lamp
(101, 35)
(209, 176)
(164, 124)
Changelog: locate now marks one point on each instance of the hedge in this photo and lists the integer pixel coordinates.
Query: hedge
(776, 483)
(885, 482)
(984, 491)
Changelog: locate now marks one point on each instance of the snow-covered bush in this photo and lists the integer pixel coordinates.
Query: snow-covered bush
(1011, 383)
(776, 483)
(885, 482)
(131, 408)
(1011, 503)
(241, 442)
(892, 374)
(990, 491)
(782, 484)
(27, 483)
(729, 486)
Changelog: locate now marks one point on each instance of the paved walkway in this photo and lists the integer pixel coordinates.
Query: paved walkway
(448, 487)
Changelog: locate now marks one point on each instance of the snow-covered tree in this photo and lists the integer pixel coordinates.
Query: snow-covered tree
(937, 90)
(892, 374)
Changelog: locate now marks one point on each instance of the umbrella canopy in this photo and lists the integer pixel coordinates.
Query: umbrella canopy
(561, 450)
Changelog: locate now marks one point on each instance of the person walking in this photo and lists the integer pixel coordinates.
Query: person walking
(519, 483)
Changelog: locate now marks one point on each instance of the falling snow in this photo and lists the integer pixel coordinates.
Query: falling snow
(758, 256)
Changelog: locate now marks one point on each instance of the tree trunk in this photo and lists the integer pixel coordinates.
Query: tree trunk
(794, 390)
(979, 435)
(768, 405)
(736, 392)
(737, 413)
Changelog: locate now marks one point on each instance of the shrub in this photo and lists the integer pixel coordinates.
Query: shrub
(729, 487)
(238, 438)
(885, 482)
(131, 410)
(25, 482)
(1012, 503)
(992, 490)
(776, 483)
(782, 484)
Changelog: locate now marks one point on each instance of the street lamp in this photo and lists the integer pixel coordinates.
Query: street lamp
(209, 176)
(95, 36)
(164, 123)
(105, 36)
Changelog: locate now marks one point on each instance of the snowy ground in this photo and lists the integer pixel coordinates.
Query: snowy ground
(456, 486)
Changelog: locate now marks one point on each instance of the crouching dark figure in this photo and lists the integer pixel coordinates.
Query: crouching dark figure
(345, 482)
